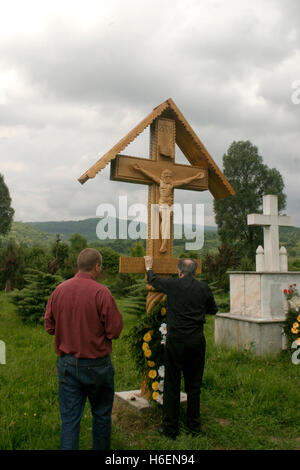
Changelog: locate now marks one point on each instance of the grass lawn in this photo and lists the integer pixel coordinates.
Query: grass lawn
(246, 402)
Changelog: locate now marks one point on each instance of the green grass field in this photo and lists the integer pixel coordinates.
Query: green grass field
(246, 402)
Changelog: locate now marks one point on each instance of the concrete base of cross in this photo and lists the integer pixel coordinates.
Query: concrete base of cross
(262, 337)
(134, 399)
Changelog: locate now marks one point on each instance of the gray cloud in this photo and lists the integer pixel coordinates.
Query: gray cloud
(228, 66)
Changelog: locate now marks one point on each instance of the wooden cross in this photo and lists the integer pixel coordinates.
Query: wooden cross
(163, 121)
(161, 190)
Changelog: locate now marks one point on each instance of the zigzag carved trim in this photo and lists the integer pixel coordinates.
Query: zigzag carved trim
(122, 144)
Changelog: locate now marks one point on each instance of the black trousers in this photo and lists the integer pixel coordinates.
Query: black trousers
(184, 354)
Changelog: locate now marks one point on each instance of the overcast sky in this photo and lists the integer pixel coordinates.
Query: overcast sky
(76, 76)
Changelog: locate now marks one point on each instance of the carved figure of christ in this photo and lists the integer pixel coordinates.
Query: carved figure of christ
(166, 197)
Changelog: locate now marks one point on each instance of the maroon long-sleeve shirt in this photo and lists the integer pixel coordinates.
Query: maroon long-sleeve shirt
(84, 317)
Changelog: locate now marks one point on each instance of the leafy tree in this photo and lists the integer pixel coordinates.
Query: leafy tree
(60, 251)
(117, 282)
(6, 211)
(110, 260)
(189, 254)
(251, 179)
(12, 265)
(216, 265)
(36, 257)
(67, 256)
(294, 264)
(78, 242)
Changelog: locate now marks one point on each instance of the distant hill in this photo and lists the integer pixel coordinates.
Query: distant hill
(86, 227)
(29, 235)
(44, 233)
(66, 228)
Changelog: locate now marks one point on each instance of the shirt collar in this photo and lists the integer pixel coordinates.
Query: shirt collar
(84, 275)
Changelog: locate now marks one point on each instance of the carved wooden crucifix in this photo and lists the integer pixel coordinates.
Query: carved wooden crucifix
(162, 175)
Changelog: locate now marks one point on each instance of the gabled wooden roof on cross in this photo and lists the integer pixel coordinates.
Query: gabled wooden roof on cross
(186, 139)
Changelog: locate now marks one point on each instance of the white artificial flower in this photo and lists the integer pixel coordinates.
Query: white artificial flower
(161, 386)
(160, 399)
(161, 371)
(163, 328)
(294, 302)
(163, 341)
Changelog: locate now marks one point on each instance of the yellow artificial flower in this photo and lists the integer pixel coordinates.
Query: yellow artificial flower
(295, 331)
(295, 325)
(147, 353)
(152, 374)
(155, 395)
(145, 346)
(155, 385)
(298, 318)
(163, 311)
(151, 364)
(147, 337)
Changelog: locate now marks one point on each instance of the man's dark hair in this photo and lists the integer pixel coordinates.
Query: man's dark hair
(187, 266)
(88, 258)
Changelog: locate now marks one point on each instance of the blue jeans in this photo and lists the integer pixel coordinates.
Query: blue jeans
(80, 379)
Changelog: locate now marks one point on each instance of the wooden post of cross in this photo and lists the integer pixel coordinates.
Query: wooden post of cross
(162, 175)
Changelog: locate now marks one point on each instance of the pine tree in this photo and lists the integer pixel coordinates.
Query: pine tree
(31, 301)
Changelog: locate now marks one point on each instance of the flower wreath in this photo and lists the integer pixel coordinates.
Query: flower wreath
(146, 340)
(292, 323)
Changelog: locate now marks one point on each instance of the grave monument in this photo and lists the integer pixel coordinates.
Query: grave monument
(257, 303)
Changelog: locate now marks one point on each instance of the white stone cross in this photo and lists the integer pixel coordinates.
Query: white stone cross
(271, 221)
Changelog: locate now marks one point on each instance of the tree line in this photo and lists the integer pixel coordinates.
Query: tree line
(42, 267)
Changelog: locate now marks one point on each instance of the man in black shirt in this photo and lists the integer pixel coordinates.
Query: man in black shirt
(188, 301)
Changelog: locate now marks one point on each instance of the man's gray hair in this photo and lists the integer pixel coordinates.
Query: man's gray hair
(187, 266)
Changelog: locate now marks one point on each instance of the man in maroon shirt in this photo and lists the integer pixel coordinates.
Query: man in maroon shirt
(83, 316)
